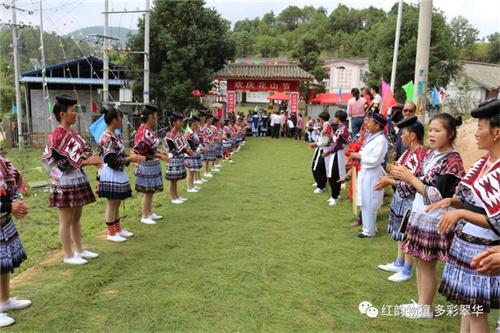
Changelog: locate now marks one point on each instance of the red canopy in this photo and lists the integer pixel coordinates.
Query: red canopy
(279, 97)
(331, 98)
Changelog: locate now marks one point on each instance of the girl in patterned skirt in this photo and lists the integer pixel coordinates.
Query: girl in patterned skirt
(177, 146)
(441, 171)
(209, 144)
(113, 180)
(64, 157)
(412, 138)
(11, 249)
(194, 165)
(227, 142)
(218, 143)
(476, 224)
(148, 178)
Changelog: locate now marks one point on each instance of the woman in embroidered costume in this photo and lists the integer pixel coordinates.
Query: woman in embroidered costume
(177, 146)
(334, 156)
(371, 157)
(476, 224)
(218, 143)
(69, 190)
(441, 171)
(113, 180)
(412, 138)
(148, 174)
(194, 165)
(227, 141)
(209, 144)
(11, 248)
(322, 141)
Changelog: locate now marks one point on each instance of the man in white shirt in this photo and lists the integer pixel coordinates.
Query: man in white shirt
(275, 125)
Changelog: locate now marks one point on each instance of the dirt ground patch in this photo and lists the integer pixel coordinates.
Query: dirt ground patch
(466, 143)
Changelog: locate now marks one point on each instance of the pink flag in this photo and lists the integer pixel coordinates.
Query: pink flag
(388, 101)
(385, 87)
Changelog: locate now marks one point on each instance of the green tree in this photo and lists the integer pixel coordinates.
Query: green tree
(443, 60)
(464, 35)
(494, 48)
(189, 42)
(307, 54)
(290, 17)
(268, 46)
(243, 42)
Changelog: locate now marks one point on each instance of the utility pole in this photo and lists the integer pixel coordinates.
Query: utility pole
(396, 45)
(146, 54)
(105, 57)
(423, 50)
(45, 88)
(19, 106)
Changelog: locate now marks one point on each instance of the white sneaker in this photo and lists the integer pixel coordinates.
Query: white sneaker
(390, 267)
(126, 234)
(333, 202)
(318, 190)
(403, 307)
(147, 220)
(177, 201)
(5, 320)
(231, 161)
(197, 188)
(14, 304)
(153, 216)
(86, 254)
(183, 199)
(215, 170)
(418, 312)
(314, 184)
(198, 182)
(203, 180)
(75, 260)
(399, 277)
(192, 190)
(116, 238)
(209, 175)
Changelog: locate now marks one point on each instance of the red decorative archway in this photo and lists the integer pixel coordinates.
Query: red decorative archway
(283, 78)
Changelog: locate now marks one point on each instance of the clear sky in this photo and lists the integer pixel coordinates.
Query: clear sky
(64, 16)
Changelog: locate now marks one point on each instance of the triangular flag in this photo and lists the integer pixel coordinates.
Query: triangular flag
(435, 100)
(14, 109)
(388, 102)
(51, 106)
(408, 88)
(385, 87)
(97, 128)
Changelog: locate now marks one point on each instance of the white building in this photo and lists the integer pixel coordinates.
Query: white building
(346, 73)
(482, 82)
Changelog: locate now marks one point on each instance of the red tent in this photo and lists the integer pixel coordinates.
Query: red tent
(331, 98)
(279, 97)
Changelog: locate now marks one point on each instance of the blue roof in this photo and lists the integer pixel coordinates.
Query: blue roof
(81, 60)
(69, 80)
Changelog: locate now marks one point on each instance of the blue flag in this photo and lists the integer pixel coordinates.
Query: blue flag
(435, 100)
(98, 127)
(14, 109)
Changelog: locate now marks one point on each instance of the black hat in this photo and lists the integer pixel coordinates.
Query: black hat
(203, 113)
(487, 109)
(195, 118)
(216, 119)
(407, 122)
(378, 118)
(176, 115)
(152, 108)
(66, 100)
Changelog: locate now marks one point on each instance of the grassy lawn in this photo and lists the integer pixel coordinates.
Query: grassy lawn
(255, 250)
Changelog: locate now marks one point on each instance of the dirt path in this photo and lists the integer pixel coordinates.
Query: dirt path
(466, 143)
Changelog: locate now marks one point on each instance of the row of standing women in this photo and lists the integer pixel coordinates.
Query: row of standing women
(438, 211)
(208, 141)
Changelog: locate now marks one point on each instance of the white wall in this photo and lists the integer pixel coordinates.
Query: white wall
(348, 78)
(40, 113)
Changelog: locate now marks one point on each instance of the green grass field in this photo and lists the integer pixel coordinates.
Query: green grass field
(255, 250)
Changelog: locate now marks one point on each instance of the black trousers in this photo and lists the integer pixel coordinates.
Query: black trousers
(320, 173)
(333, 180)
(276, 131)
